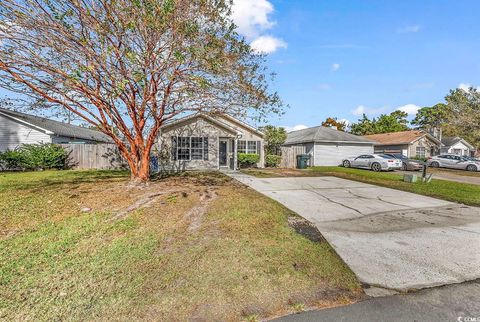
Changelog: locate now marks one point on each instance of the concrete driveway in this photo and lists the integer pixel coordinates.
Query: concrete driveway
(392, 240)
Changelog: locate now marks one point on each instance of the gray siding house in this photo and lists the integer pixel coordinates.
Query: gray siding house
(457, 145)
(327, 146)
(207, 142)
(19, 128)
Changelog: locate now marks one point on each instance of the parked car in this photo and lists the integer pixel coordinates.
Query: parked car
(375, 162)
(407, 163)
(452, 161)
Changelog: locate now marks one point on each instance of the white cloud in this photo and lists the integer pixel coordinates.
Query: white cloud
(295, 127)
(335, 67)
(252, 19)
(409, 29)
(410, 109)
(361, 109)
(345, 121)
(267, 44)
(466, 86)
(323, 87)
(251, 16)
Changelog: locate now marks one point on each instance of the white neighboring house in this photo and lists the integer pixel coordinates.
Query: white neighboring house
(207, 142)
(327, 146)
(457, 145)
(19, 128)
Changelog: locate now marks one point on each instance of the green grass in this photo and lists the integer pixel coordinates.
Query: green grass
(59, 263)
(468, 194)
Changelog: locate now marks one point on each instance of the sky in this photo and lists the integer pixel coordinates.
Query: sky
(345, 58)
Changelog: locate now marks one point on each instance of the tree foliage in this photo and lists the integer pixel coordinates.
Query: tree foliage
(274, 138)
(385, 123)
(333, 122)
(431, 117)
(127, 66)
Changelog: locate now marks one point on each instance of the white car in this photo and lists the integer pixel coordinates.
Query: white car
(375, 162)
(453, 161)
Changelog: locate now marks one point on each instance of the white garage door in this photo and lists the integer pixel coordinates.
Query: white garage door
(334, 154)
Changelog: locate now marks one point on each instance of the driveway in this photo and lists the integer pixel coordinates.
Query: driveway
(392, 240)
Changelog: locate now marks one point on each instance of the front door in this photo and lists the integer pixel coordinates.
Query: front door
(222, 152)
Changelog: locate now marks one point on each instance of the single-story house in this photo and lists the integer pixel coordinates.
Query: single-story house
(457, 145)
(207, 142)
(327, 146)
(413, 143)
(19, 128)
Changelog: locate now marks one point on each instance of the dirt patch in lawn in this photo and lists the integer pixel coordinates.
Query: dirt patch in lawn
(190, 247)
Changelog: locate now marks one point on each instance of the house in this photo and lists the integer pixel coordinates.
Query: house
(413, 143)
(19, 128)
(457, 145)
(207, 142)
(327, 146)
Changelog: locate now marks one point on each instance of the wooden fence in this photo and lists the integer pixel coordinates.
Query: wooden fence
(289, 155)
(94, 156)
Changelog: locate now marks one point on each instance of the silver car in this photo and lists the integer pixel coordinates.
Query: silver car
(453, 161)
(375, 162)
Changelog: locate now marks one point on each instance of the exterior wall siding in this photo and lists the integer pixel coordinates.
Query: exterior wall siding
(332, 154)
(13, 134)
(454, 149)
(401, 148)
(201, 127)
(423, 142)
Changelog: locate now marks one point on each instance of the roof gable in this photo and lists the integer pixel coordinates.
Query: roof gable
(208, 118)
(452, 140)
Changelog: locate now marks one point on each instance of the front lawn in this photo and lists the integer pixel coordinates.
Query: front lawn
(468, 194)
(82, 245)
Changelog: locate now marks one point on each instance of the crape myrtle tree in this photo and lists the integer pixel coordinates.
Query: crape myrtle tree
(128, 66)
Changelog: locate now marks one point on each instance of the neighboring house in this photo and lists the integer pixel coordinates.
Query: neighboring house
(327, 146)
(19, 128)
(457, 145)
(413, 143)
(207, 142)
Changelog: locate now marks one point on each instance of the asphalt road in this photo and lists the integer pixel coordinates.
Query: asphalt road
(458, 302)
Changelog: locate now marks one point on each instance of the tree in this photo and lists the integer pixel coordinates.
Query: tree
(333, 122)
(131, 65)
(393, 122)
(463, 117)
(431, 117)
(274, 138)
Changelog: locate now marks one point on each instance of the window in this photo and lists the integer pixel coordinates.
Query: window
(189, 148)
(252, 147)
(420, 151)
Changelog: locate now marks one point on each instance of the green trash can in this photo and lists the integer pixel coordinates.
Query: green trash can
(303, 161)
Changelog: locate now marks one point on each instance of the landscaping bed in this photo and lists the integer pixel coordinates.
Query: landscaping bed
(83, 245)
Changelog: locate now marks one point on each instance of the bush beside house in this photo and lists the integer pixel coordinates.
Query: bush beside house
(247, 160)
(34, 157)
(272, 161)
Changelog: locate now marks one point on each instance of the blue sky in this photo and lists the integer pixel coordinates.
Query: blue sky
(341, 58)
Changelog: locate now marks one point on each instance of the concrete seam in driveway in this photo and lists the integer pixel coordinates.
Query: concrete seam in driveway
(391, 239)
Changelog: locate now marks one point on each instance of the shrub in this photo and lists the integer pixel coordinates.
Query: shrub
(272, 161)
(35, 157)
(246, 160)
(11, 160)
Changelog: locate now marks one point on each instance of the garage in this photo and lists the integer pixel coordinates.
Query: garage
(327, 146)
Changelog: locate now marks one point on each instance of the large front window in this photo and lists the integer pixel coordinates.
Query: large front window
(251, 147)
(189, 148)
(420, 152)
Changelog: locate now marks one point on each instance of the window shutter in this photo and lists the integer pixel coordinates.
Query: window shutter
(258, 147)
(205, 148)
(174, 148)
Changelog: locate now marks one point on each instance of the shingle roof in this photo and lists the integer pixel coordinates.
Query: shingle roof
(324, 134)
(58, 128)
(451, 140)
(404, 137)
